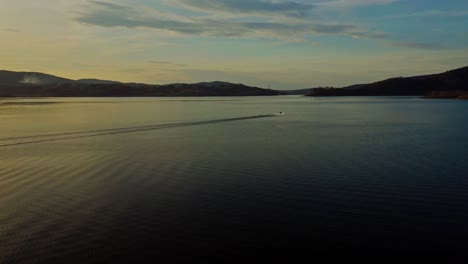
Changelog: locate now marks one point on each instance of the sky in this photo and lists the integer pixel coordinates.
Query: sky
(282, 44)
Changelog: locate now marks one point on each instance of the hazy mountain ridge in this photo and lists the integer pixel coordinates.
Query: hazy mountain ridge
(424, 85)
(32, 84)
(95, 81)
(296, 91)
(450, 84)
(17, 78)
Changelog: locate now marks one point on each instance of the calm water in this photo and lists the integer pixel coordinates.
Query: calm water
(361, 176)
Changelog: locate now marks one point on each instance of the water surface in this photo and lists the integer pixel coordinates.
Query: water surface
(363, 176)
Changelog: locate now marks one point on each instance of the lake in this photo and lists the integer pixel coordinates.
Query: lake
(97, 179)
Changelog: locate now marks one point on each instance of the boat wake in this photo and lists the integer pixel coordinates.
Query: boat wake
(14, 141)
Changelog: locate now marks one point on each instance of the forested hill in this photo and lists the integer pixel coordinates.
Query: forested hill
(30, 84)
(451, 82)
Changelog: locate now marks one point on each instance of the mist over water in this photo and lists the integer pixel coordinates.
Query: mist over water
(358, 175)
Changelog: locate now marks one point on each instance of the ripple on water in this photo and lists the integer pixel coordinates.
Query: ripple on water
(238, 188)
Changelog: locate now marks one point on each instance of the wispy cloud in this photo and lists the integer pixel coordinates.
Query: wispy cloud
(9, 29)
(160, 62)
(419, 45)
(106, 14)
(168, 63)
(262, 7)
(371, 35)
(354, 3)
(430, 13)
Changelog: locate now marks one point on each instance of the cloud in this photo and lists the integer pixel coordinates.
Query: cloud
(168, 63)
(332, 29)
(9, 29)
(113, 15)
(340, 4)
(354, 3)
(419, 45)
(430, 13)
(370, 35)
(262, 7)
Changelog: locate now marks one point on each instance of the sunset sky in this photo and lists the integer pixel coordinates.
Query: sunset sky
(284, 44)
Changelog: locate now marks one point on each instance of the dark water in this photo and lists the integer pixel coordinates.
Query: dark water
(341, 176)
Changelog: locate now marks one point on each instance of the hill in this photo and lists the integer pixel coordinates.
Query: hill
(451, 84)
(17, 78)
(31, 84)
(295, 92)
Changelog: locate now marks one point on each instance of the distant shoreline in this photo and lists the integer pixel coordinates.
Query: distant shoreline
(450, 85)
